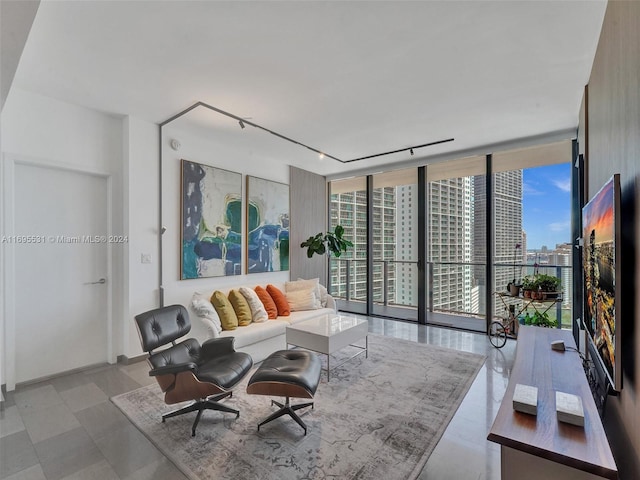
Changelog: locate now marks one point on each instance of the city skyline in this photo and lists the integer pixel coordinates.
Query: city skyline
(546, 205)
(456, 235)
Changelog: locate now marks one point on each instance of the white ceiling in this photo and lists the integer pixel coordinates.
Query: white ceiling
(350, 78)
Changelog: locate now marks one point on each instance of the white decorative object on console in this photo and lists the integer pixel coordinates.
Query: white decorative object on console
(525, 399)
(569, 409)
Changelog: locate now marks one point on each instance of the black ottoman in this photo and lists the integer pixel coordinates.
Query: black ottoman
(287, 373)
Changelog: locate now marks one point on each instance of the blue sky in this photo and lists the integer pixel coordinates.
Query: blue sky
(546, 205)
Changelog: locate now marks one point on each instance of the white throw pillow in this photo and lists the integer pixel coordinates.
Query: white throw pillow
(302, 284)
(303, 300)
(205, 312)
(320, 290)
(324, 295)
(258, 312)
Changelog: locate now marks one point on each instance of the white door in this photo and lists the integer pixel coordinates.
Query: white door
(60, 222)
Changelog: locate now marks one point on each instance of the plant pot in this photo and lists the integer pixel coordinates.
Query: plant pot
(514, 290)
(526, 293)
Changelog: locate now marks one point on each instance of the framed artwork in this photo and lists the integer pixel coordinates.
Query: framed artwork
(267, 226)
(211, 233)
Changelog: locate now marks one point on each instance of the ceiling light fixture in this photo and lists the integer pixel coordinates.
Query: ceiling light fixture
(243, 122)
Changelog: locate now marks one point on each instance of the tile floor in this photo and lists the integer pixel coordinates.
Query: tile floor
(66, 427)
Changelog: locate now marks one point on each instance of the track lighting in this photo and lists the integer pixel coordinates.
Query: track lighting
(291, 140)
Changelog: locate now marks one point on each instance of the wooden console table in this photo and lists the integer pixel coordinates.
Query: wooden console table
(535, 447)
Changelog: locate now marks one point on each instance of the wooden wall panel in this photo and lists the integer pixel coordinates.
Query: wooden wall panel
(613, 122)
(308, 211)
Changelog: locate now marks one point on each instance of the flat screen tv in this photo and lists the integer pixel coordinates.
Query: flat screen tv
(601, 260)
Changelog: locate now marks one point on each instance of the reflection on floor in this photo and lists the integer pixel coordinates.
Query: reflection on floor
(441, 319)
(66, 427)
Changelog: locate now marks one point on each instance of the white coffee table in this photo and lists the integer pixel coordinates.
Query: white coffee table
(329, 333)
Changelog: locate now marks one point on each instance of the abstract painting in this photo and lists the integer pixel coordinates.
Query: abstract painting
(267, 225)
(211, 234)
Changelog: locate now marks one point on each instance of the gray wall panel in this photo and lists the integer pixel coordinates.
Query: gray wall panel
(308, 211)
(613, 128)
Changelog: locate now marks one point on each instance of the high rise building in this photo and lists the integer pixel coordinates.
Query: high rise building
(406, 245)
(350, 211)
(456, 239)
(561, 257)
(450, 243)
(384, 244)
(507, 217)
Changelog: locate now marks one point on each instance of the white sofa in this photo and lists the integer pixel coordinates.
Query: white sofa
(257, 339)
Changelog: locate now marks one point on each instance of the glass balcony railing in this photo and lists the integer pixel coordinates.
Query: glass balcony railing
(560, 310)
(454, 288)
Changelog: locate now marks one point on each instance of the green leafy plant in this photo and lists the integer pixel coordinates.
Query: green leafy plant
(332, 242)
(548, 283)
(530, 282)
(540, 320)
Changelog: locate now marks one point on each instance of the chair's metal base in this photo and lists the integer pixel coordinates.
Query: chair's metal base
(287, 409)
(209, 403)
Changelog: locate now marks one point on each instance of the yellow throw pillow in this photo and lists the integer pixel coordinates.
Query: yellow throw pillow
(241, 307)
(225, 310)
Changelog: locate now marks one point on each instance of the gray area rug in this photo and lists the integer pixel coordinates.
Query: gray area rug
(378, 417)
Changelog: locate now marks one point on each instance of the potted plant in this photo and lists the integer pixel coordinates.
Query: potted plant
(548, 285)
(331, 242)
(529, 284)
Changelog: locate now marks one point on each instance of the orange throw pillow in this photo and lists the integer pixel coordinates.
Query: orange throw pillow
(280, 300)
(267, 301)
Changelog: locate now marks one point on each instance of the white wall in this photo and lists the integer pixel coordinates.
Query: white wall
(140, 165)
(48, 131)
(51, 131)
(142, 222)
(16, 19)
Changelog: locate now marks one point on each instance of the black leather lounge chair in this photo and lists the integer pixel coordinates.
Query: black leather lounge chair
(187, 370)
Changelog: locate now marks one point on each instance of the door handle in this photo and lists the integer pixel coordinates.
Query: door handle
(102, 280)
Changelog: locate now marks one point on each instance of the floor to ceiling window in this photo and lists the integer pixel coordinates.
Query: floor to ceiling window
(395, 254)
(456, 238)
(532, 215)
(465, 258)
(348, 274)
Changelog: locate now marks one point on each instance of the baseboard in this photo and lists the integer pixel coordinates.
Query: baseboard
(124, 360)
(47, 378)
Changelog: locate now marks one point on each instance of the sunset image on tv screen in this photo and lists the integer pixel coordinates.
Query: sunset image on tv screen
(599, 273)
